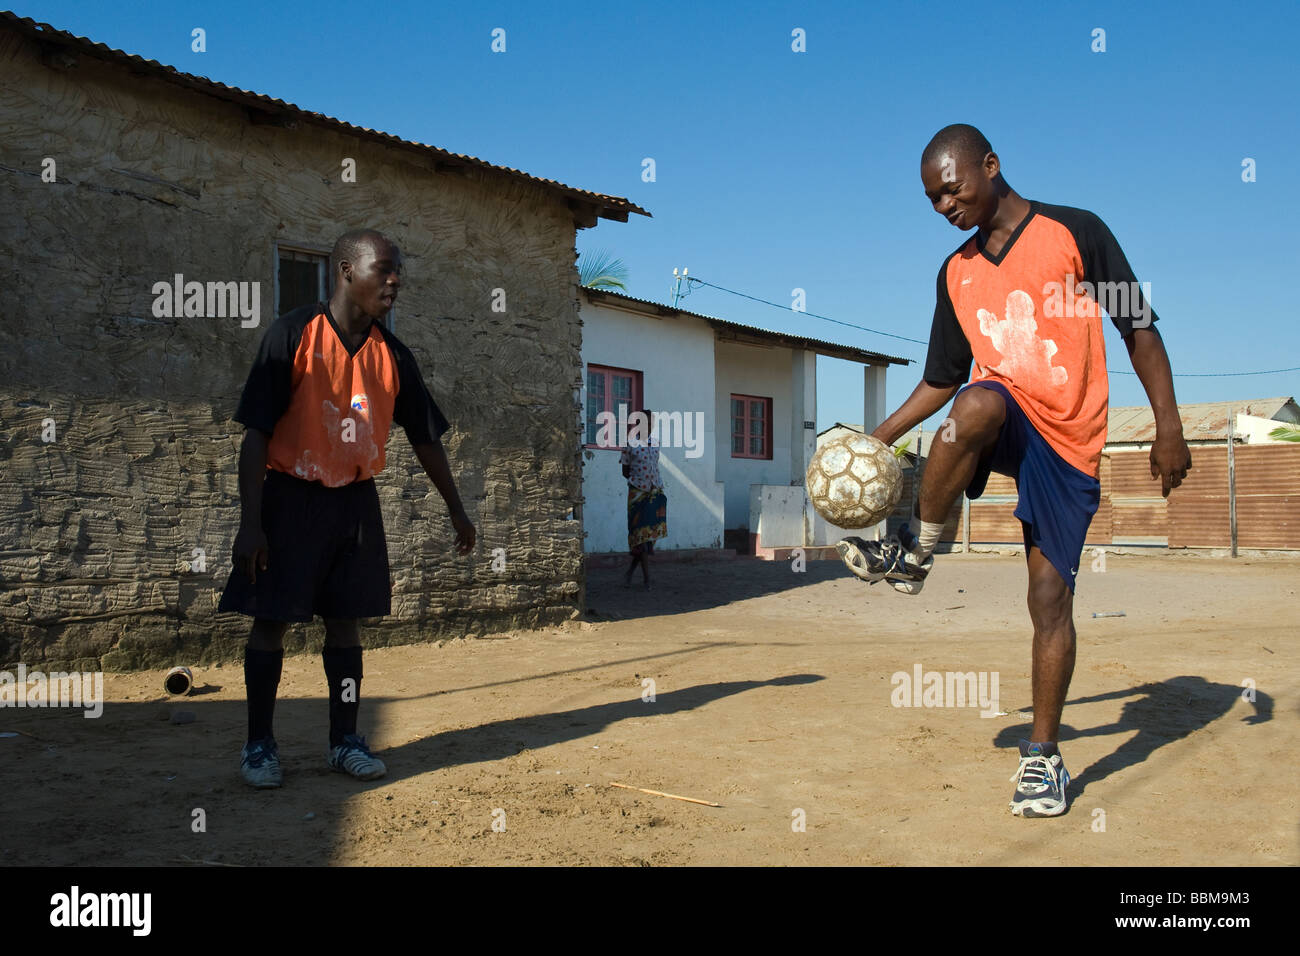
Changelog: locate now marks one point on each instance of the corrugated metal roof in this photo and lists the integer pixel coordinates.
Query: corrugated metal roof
(1202, 421)
(836, 349)
(607, 207)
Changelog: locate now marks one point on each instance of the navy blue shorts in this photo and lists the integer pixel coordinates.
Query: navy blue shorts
(326, 554)
(1057, 500)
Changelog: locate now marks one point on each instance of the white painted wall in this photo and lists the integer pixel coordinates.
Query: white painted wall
(778, 514)
(764, 372)
(1254, 430)
(675, 357)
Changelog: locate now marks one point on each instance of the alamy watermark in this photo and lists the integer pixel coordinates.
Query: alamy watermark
(669, 430)
(77, 909)
(923, 688)
(1085, 300)
(59, 689)
(213, 300)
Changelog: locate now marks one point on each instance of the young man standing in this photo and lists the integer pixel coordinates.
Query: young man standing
(328, 381)
(1021, 300)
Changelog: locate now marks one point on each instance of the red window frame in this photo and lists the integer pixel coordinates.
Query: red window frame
(606, 399)
(745, 419)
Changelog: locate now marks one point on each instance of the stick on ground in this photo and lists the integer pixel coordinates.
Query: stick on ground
(670, 796)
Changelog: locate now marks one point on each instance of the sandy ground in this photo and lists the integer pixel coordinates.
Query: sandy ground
(772, 698)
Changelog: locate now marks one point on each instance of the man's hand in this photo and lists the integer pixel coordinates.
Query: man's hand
(250, 552)
(1170, 460)
(465, 533)
(1170, 457)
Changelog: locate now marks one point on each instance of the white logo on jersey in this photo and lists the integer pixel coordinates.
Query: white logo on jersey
(1026, 358)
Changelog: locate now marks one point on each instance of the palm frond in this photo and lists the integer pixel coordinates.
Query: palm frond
(1285, 433)
(599, 269)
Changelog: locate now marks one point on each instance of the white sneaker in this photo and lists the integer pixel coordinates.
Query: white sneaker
(1041, 782)
(260, 764)
(353, 757)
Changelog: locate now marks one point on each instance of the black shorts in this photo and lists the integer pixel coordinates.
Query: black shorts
(327, 554)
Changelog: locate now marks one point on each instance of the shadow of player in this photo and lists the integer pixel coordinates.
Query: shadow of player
(497, 740)
(1161, 714)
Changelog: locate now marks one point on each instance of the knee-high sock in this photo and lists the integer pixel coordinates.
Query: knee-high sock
(261, 678)
(343, 674)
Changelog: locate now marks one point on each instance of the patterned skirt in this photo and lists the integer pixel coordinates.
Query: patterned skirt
(647, 518)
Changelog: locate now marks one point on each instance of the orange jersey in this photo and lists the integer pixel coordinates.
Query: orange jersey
(327, 409)
(1030, 319)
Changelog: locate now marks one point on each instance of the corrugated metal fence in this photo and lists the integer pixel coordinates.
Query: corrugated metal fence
(1132, 511)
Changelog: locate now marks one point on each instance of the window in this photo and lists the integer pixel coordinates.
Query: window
(301, 277)
(751, 427)
(608, 390)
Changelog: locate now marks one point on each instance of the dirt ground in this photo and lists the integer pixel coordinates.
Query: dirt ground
(772, 698)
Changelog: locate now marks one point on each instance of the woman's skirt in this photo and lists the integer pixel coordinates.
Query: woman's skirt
(647, 518)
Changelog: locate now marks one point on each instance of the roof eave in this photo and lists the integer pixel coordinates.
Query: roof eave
(587, 207)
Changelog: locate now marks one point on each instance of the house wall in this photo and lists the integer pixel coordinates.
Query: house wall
(1255, 430)
(764, 372)
(675, 357)
(100, 529)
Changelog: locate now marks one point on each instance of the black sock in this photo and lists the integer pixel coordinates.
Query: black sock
(261, 678)
(343, 664)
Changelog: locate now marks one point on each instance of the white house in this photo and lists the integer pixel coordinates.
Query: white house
(736, 408)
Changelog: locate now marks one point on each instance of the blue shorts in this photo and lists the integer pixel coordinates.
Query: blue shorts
(1057, 500)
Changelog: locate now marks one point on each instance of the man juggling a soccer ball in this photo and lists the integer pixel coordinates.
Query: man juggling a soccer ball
(328, 382)
(1023, 300)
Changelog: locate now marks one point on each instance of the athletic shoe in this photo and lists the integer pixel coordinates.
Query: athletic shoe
(260, 764)
(915, 571)
(890, 560)
(353, 757)
(1040, 782)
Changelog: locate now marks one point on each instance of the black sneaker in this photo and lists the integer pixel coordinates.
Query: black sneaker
(1041, 781)
(890, 560)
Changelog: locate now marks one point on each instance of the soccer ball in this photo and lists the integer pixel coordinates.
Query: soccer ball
(854, 481)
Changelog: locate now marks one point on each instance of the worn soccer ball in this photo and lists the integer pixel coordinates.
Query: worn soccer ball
(854, 481)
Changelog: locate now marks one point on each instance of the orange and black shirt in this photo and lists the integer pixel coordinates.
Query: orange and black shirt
(1029, 318)
(328, 409)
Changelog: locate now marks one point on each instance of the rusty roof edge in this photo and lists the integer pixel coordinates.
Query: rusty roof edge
(608, 207)
(1202, 421)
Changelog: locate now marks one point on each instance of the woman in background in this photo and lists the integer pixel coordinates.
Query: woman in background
(647, 505)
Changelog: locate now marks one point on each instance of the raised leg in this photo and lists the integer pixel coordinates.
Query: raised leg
(976, 418)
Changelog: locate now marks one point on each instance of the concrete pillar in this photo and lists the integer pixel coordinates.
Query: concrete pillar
(873, 413)
(803, 412)
(873, 397)
(803, 425)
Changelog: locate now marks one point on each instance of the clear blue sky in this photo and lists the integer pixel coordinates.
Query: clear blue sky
(778, 170)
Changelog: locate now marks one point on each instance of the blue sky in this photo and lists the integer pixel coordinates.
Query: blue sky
(778, 170)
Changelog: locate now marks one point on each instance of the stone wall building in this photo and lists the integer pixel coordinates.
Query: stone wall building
(118, 485)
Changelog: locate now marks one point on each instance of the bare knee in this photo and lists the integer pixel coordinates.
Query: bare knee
(267, 635)
(342, 632)
(1051, 604)
(977, 414)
